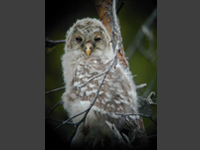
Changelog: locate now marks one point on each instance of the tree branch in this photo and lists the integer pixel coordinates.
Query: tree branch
(51, 43)
(59, 103)
(139, 36)
(141, 86)
(54, 119)
(120, 6)
(106, 14)
(55, 90)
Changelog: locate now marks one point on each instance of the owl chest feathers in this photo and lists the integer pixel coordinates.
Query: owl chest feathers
(115, 95)
(84, 71)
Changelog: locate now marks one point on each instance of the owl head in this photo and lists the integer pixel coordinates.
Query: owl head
(88, 38)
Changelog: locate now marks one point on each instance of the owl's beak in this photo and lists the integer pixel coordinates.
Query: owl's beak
(88, 48)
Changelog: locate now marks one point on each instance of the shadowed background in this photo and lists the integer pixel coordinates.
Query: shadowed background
(59, 17)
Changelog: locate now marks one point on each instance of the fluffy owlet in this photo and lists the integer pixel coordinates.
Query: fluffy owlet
(88, 52)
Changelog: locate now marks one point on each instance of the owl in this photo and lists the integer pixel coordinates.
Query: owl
(88, 52)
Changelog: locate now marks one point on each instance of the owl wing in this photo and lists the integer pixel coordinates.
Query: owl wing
(118, 95)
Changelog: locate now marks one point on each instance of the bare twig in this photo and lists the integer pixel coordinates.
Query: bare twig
(141, 86)
(150, 87)
(55, 90)
(149, 99)
(59, 103)
(68, 120)
(54, 119)
(116, 31)
(120, 6)
(151, 136)
(51, 43)
(146, 99)
(140, 114)
(98, 75)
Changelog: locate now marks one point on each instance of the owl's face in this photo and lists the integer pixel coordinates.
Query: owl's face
(89, 38)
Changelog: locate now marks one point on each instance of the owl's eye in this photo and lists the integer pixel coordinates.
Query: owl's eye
(97, 39)
(78, 39)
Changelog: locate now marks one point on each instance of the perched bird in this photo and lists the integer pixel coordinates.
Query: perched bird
(88, 52)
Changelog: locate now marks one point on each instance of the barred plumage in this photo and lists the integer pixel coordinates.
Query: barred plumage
(88, 52)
